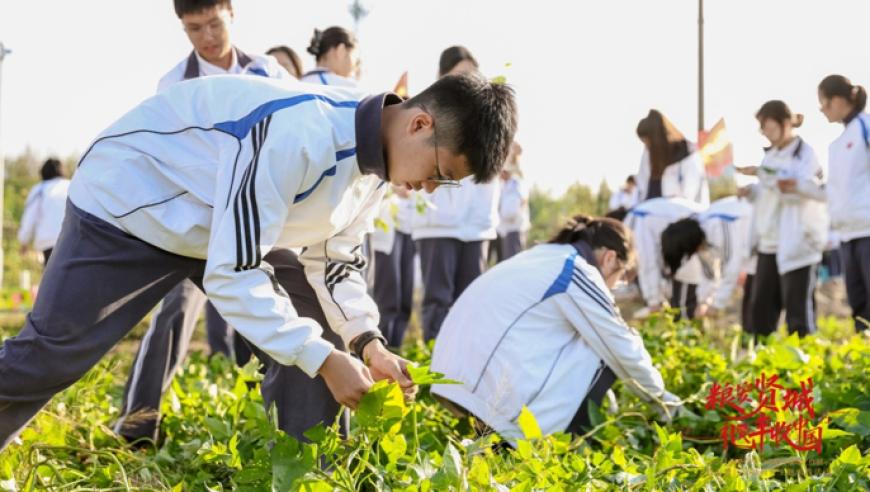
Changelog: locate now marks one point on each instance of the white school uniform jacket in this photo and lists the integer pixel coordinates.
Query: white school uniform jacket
(195, 66)
(513, 207)
(467, 213)
(647, 221)
(624, 199)
(225, 168)
(686, 178)
(43, 214)
(322, 76)
(794, 226)
(726, 225)
(848, 187)
(536, 330)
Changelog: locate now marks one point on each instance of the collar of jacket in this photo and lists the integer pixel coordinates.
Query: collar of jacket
(191, 71)
(584, 250)
(797, 147)
(369, 136)
(848, 119)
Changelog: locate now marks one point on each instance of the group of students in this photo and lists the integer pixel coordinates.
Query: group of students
(262, 203)
(260, 193)
(775, 232)
(558, 343)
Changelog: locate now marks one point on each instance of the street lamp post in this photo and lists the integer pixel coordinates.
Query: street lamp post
(3, 53)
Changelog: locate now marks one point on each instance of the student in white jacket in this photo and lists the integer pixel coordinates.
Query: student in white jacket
(193, 183)
(719, 238)
(662, 281)
(670, 165)
(44, 210)
(848, 187)
(451, 234)
(541, 330)
(513, 208)
(626, 197)
(790, 224)
(207, 24)
(335, 52)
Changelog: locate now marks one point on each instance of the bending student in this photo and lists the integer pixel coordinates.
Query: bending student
(192, 184)
(541, 330)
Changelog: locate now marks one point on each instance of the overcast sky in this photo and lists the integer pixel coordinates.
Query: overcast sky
(585, 72)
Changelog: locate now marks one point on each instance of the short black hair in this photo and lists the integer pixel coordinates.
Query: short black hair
(51, 169)
(474, 117)
(183, 7)
(681, 239)
(453, 56)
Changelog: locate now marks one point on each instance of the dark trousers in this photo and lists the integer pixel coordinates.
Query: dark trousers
(509, 245)
(99, 283)
(394, 288)
(684, 297)
(46, 254)
(746, 304)
(448, 267)
(856, 268)
(772, 292)
(602, 382)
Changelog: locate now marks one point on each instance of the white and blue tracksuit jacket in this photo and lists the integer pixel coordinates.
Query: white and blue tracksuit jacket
(726, 226)
(224, 168)
(537, 330)
(647, 221)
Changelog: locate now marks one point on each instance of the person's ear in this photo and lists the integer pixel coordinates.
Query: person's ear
(420, 121)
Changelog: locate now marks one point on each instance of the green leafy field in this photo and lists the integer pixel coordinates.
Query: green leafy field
(217, 435)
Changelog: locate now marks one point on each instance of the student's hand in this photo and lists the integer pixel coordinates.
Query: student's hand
(747, 170)
(384, 364)
(744, 191)
(787, 185)
(672, 404)
(705, 310)
(347, 379)
(654, 308)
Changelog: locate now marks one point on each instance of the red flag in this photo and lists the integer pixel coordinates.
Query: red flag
(716, 149)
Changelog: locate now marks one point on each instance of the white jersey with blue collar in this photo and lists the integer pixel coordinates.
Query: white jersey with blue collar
(194, 66)
(544, 325)
(322, 76)
(225, 168)
(648, 220)
(726, 226)
(848, 186)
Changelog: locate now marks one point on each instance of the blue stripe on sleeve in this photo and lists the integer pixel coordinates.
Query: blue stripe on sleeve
(239, 128)
(561, 283)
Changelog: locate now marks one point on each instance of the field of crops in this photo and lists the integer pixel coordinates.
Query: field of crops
(217, 435)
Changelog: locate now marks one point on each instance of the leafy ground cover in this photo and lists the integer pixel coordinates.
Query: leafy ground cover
(218, 436)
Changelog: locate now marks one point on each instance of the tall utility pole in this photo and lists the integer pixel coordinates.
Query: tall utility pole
(3, 53)
(700, 65)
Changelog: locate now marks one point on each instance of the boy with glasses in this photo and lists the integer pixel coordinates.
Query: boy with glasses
(192, 184)
(207, 25)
